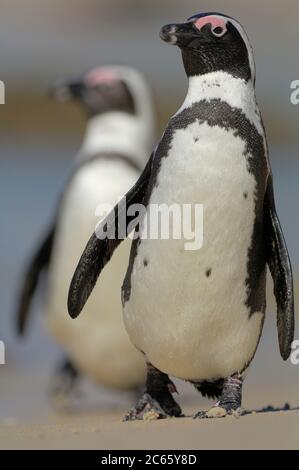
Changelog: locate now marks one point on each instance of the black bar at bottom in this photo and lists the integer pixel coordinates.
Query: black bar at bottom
(139, 458)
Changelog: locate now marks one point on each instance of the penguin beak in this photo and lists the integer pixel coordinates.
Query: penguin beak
(66, 90)
(179, 34)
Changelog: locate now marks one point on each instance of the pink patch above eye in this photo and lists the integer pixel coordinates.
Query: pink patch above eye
(215, 21)
(101, 76)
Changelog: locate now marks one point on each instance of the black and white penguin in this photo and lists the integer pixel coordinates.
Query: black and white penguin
(115, 149)
(198, 315)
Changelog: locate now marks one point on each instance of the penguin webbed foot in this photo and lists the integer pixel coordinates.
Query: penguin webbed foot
(219, 411)
(157, 401)
(64, 392)
(229, 403)
(148, 409)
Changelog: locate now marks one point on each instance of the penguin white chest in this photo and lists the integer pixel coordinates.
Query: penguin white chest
(187, 309)
(97, 342)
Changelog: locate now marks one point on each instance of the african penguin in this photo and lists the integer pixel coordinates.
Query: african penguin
(198, 315)
(116, 145)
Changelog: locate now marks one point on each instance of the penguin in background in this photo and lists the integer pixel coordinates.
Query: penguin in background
(117, 142)
(198, 315)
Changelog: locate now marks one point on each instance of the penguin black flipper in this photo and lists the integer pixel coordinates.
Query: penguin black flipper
(280, 266)
(98, 252)
(38, 263)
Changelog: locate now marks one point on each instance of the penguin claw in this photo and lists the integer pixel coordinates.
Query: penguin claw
(148, 409)
(219, 412)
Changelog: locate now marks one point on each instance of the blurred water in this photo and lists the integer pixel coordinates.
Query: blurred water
(31, 178)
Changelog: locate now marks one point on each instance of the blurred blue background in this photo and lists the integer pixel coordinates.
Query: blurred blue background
(41, 41)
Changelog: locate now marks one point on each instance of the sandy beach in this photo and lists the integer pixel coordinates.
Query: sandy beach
(269, 430)
(28, 419)
(100, 426)
(277, 430)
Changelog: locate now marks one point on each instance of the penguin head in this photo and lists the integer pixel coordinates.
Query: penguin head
(100, 90)
(212, 42)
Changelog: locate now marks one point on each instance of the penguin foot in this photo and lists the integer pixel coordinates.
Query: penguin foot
(219, 411)
(157, 401)
(230, 400)
(149, 408)
(65, 400)
(64, 392)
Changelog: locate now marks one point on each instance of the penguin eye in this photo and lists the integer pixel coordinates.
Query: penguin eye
(218, 31)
